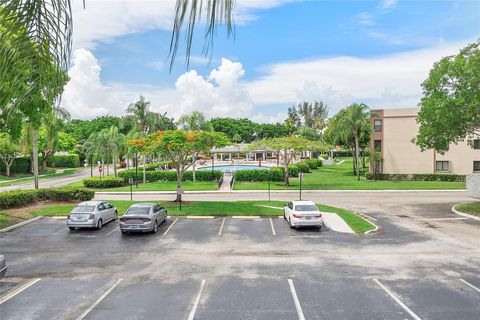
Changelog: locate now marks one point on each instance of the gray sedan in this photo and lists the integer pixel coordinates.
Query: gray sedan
(91, 214)
(143, 217)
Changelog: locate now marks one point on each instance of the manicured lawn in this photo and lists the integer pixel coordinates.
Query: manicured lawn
(211, 208)
(340, 177)
(472, 208)
(25, 178)
(158, 186)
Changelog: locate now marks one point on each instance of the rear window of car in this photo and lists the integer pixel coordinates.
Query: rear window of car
(306, 207)
(138, 210)
(83, 209)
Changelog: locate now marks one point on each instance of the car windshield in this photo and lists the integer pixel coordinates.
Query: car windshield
(138, 210)
(83, 209)
(306, 207)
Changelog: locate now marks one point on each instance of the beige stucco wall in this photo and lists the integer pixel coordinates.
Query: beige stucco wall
(402, 156)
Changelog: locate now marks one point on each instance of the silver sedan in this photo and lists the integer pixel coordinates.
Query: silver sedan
(143, 217)
(91, 214)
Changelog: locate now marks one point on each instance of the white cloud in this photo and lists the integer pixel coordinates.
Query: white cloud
(386, 81)
(365, 18)
(388, 4)
(103, 20)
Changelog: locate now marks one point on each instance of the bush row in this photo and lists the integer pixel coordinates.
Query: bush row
(154, 166)
(274, 174)
(19, 165)
(106, 182)
(14, 198)
(64, 160)
(154, 176)
(314, 163)
(417, 177)
(302, 167)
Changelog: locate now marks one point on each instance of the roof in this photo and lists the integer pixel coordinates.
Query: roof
(89, 203)
(236, 148)
(303, 202)
(144, 204)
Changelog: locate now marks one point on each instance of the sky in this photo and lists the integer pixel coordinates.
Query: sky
(283, 52)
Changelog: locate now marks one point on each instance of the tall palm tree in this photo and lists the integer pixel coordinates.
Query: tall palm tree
(194, 121)
(116, 141)
(140, 111)
(355, 121)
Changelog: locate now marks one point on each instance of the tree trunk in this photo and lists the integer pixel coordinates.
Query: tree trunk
(286, 178)
(115, 162)
(35, 156)
(7, 169)
(353, 162)
(45, 161)
(179, 181)
(356, 157)
(144, 172)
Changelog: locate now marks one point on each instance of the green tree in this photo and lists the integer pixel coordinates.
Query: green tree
(116, 142)
(9, 150)
(245, 128)
(67, 143)
(450, 106)
(49, 141)
(181, 147)
(287, 148)
(354, 123)
(293, 119)
(194, 121)
(314, 114)
(237, 138)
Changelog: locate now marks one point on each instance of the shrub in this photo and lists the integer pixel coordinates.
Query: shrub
(64, 160)
(314, 163)
(274, 174)
(417, 177)
(156, 165)
(107, 182)
(14, 198)
(19, 165)
(303, 167)
(154, 176)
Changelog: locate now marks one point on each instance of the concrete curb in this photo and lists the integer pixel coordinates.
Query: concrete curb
(364, 217)
(21, 224)
(100, 193)
(464, 214)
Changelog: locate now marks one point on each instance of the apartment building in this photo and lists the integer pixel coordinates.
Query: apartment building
(393, 132)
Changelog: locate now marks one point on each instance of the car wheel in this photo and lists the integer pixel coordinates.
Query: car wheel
(155, 227)
(115, 216)
(284, 215)
(123, 231)
(71, 228)
(99, 224)
(165, 218)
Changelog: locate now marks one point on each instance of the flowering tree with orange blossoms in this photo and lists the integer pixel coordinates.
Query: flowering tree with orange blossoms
(182, 147)
(139, 146)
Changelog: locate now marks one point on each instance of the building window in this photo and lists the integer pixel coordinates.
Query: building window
(442, 166)
(377, 145)
(476, 166)
(377, 125)
(476, 144)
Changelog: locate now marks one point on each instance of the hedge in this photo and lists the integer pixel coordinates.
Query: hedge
(154, 176)
(303, 167)
(14, 198)
(19, 165)
(417, 177)
(314, 163)
(274, 174)
(107, 182)
(154, 166)
(292, 170)
(64, 160)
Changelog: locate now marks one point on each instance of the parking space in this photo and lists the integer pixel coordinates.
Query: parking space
(282, 228)
(146, 299)
(250, 228)
(52, 299)
(444, 300)
(196, 229)
(260, 299)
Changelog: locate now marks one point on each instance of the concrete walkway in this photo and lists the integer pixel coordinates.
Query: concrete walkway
(227, 180)
(335, 223)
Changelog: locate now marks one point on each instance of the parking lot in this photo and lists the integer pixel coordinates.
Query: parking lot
(230, 268)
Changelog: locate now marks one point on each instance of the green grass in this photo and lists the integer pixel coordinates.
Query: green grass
(26, 178)
(472, 208)
(340, 177)
(219, 208)
(157, 186)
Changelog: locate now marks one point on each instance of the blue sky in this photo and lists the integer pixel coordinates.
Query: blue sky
(273, 36)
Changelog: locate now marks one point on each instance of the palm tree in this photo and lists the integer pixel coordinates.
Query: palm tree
(116, 141)
(99, 146)
(355, 121)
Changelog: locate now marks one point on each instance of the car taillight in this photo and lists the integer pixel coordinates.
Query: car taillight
(318, 215)
(91, 216)
(296, 216)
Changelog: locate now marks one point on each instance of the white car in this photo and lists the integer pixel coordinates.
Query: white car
(91, 214)
(302, 213)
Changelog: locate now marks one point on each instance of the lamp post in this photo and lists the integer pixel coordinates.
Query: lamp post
(301, 178)
(136, 169)
(130, 181)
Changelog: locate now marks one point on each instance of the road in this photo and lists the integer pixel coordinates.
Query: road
(52, 182)
(423, 263)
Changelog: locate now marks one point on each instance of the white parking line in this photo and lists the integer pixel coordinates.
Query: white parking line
(273, 228)
(404, 307)
(112, 231)
(221, 227)
(170, 227)
(18, 289)
(196, 302)
(470, 285)
(295, 300)
(106, 293)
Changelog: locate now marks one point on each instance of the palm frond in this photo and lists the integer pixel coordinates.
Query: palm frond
(189, 12)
